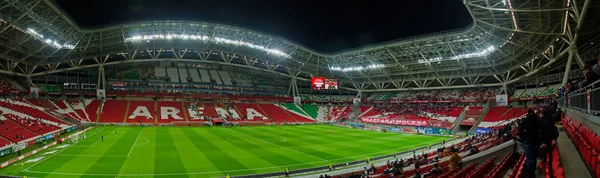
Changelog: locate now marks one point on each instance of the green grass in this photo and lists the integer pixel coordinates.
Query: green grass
(212, 152)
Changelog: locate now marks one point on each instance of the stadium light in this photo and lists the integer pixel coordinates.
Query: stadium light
(216, 40)
(358, 68)
(482, 53)
(50, 42)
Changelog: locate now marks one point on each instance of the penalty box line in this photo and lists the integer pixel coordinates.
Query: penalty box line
(35, 164)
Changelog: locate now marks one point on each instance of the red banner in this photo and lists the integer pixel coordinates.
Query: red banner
(420, 101)
(396, 122)
(468, 101)
(469, 121)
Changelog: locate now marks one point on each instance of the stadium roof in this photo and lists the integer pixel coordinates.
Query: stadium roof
(507, 41)
(326, 27)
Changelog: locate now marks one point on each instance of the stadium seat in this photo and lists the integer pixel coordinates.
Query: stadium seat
(113, 111)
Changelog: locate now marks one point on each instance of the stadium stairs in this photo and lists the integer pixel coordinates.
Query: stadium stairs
(484, 111)
(458, 120)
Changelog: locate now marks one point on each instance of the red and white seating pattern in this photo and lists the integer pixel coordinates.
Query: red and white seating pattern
(368, 111)
(471, 95)
(7, 86)
(446, 95)
(252, 112)
(276, 113)
(25, 110)
(339, 112)
(141, 112)
(92, 107)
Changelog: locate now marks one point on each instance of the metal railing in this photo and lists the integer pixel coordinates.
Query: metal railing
(585, 99)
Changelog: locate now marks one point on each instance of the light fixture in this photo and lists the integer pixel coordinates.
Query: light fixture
(216, 40)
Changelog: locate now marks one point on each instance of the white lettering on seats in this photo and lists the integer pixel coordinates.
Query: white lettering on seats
(221, 112)
(141, 111)
(253, 113)
(167, 111)
(234, 114)
(194, 115)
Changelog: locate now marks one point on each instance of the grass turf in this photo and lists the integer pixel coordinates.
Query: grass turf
(211, 152)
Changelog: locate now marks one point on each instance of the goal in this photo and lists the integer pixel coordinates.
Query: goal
(78, 136)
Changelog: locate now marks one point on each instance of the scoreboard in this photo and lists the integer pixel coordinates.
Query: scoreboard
(320, 83)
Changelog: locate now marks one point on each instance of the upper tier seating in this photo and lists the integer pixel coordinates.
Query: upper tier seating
(470, 95)
(401, 96)
(517, 94)
(446, 95)
(341, 98)
(532, 93)
(423, 95)
(7, 86)
(241, 79)
(50, 89)
(384, 96)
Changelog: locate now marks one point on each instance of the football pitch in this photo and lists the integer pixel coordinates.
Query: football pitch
(210, 152)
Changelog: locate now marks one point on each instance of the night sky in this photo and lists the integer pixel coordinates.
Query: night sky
(327, 26)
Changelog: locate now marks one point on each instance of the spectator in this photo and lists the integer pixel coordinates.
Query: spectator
(549, 133)
(590, 76)
(436, 170)
(529, 132)
(454, 159)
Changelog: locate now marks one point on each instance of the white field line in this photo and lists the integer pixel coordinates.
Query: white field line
(56, 153)
(136, 139)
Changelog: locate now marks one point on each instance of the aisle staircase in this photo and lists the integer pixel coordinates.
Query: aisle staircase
(263, 111)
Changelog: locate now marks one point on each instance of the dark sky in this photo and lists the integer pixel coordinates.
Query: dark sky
(326, 26)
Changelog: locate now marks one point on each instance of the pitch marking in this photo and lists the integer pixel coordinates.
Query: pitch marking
(136, 139)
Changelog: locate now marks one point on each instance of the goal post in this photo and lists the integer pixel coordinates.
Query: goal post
(78, 136)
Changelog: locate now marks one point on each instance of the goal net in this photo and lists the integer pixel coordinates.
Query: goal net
(78, 136)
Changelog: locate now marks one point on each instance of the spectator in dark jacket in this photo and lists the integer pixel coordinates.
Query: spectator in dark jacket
(557, 115)
(549, 132)
(529, 132)
(590, 76)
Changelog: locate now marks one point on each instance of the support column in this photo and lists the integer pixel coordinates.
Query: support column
(568, 68)
(101, 78)
(29, 81)
(293, 89)
(573, 48)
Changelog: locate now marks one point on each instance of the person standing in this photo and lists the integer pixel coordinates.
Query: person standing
(529, 132)
(549, 133)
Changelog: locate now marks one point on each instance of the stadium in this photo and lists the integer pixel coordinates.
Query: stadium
(513, 93)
